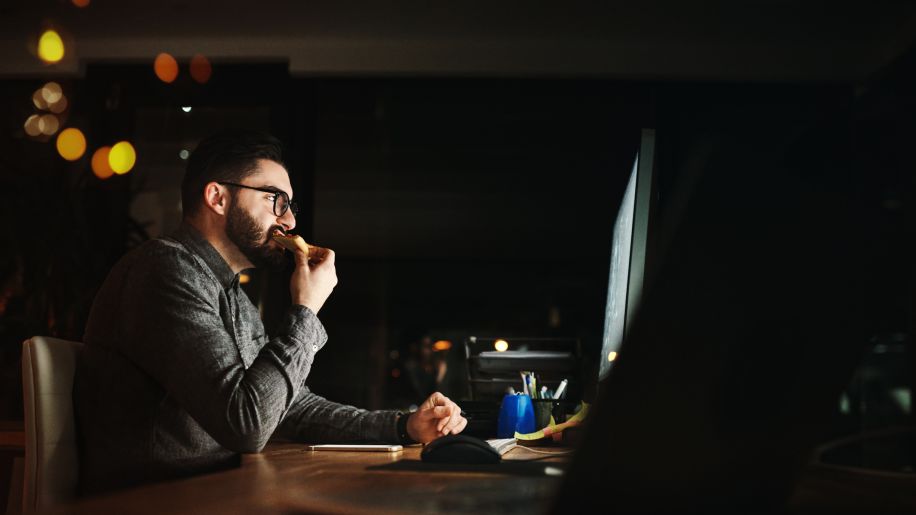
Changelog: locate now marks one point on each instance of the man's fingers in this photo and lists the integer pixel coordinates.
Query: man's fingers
(436, 399)
(321, 256)
(449, 416)
(455, 425)
(442, 413)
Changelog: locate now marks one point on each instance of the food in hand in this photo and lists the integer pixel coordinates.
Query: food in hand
(291, 242)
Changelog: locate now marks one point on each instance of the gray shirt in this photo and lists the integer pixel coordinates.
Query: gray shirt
(179, 375)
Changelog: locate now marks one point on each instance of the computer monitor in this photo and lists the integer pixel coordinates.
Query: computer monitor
(758, 305)
(628, 253)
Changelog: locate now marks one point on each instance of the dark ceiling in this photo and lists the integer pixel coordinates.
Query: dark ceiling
(664, 39)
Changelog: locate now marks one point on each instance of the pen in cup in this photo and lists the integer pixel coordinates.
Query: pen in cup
(560, 389)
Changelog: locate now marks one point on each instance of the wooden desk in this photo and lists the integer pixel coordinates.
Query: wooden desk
(285, 478)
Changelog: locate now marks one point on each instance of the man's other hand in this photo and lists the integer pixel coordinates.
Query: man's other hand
(437, 416)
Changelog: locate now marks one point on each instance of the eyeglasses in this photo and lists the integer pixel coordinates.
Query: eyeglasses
(282, 204)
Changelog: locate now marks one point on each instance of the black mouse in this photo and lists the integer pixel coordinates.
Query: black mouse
(459, 449)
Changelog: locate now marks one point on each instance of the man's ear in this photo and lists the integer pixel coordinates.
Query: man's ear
(215, 198)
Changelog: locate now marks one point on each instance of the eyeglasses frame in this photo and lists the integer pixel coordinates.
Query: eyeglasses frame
(290, 205)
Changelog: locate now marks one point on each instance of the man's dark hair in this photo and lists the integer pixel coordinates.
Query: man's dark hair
(227, 156)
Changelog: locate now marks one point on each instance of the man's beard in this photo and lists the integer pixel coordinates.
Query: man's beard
(248, 237)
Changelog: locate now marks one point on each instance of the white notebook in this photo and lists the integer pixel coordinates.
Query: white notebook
(502, 445)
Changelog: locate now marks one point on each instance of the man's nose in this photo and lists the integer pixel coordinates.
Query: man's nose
(288, 220)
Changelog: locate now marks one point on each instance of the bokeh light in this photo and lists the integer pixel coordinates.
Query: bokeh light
(244, 278)
(611, 356)
(59, 106)
(166, 68)
(50, 47)
(100, 166)
(442, 345)
(39, 100)
(31, 125)
(183, 154)
(48, 124)
(201, 69)
(501, 345)
(122, 157)
(71, 144)
(51, 92)
(81, 3)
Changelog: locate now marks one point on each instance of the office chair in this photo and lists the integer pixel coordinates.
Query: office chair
(51, 467)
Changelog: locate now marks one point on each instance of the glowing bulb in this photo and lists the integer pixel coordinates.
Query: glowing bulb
(201, 69)
(48, 124)
(59, 106)
(501, 345)
(31, 125)
(50, 47)
(51, 92)
(186, 109)
(122, 157)
(442, 345)
(39, 100)
(71, 144)
(166, 68)
(183, 154)
(100, 166)
(611, 356)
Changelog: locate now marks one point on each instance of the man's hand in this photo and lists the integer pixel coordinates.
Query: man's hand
(437, 416)
(313, 279)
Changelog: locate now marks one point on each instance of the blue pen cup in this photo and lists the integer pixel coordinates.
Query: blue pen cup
(515, 414)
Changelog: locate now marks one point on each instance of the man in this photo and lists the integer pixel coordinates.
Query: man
(179, 375)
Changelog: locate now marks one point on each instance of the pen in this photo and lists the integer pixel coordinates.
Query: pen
(560, 389)
(534, 386)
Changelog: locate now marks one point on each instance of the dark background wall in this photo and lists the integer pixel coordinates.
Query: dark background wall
(457, 207)
(467, 168)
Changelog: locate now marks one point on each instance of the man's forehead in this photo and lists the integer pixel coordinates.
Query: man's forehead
(271, 173)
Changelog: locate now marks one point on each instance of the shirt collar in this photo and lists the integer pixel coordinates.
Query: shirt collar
(194, 241)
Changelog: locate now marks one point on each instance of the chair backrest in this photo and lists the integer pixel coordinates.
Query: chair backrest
(51, 466)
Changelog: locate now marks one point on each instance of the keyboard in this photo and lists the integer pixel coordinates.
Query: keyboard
(502, 445)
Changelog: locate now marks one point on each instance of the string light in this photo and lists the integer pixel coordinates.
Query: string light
(48, 124)
(50, 47)
(121, 157)
(59, 106)
(39, 101)
(100, 166)
(31, 126)
(51, 92)
(71, 144)
(166, 68)
(201, 69)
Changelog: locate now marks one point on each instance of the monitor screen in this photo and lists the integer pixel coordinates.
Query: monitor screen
(628, 253)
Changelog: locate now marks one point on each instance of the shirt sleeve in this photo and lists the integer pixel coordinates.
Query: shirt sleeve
(176, 334)
(314, 419)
